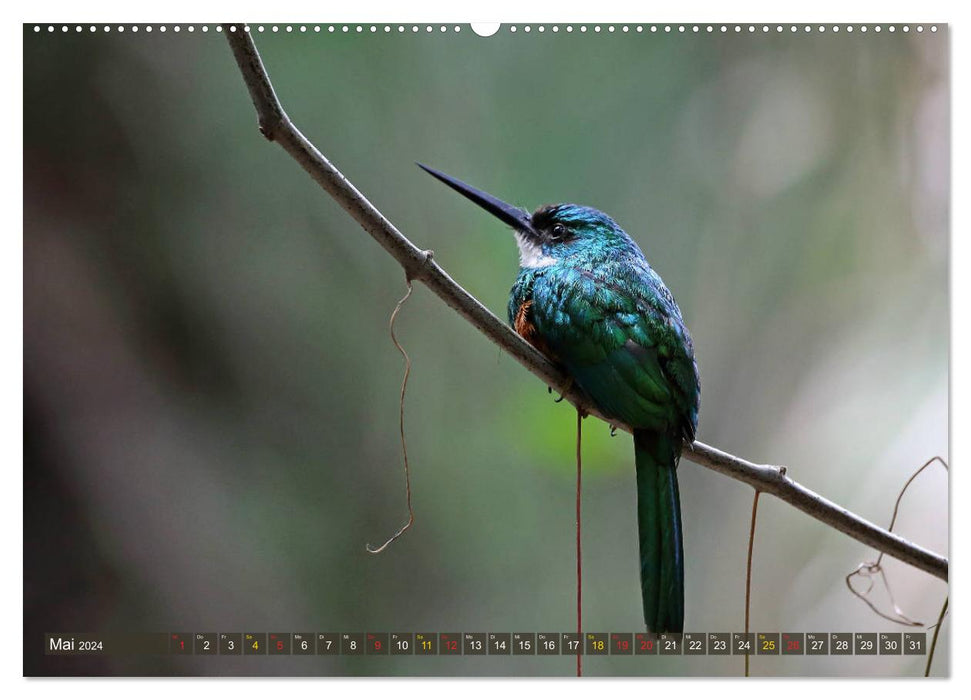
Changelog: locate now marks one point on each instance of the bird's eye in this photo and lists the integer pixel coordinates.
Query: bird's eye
(558, 231)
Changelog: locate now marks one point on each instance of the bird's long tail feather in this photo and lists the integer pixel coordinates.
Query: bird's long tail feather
(659, 530)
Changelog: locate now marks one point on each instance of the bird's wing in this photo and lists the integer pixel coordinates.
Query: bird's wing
(619, 333)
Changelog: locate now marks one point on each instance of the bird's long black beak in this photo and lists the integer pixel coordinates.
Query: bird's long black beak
(514, 216)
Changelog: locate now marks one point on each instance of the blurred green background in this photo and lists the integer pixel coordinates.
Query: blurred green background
(211, 393)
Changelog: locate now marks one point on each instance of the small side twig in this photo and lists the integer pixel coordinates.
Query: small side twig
(579, 553)
(937, 631)
(748, 574)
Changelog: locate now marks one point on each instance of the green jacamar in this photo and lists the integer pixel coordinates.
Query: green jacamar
(587, 299)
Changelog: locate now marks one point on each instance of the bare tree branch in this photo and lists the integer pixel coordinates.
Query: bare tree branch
(418, 265)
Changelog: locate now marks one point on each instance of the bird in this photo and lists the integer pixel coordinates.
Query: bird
(586, 298)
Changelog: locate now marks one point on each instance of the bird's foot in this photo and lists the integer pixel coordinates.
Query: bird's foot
(569, 385)
(613, 431)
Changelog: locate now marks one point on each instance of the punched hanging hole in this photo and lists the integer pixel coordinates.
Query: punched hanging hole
(485, 28)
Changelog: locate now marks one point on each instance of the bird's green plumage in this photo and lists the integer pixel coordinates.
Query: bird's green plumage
(587, 297)
(659, 531)
(618, 333)
(602, 313)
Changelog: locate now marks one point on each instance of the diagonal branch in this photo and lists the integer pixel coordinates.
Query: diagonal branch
(419, 265)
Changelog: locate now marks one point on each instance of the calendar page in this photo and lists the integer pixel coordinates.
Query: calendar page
(546, 349)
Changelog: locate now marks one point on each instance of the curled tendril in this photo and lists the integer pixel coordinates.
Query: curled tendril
(873, 571)
(401, 429)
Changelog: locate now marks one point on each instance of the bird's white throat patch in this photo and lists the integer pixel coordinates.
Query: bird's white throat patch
(531, 253)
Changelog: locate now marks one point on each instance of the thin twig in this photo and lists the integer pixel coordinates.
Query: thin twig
(579, 556)
(896, 505)
(401, 426)
(937, 631)
(869, 569)
(418, 264)
(748, 573)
